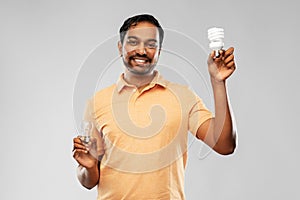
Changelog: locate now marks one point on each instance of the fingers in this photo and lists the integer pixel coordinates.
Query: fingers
(93, 147)
(220, 57)
(231, 64)
(79, 146)
(97, 146)
(229, 58)
(228, 52)
(78, 152)
(213, 58)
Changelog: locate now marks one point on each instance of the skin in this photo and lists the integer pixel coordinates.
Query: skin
(140, 74)
(88, 171)
(218, 132)
(140, 59)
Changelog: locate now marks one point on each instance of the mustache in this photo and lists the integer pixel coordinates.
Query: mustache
(139, 56)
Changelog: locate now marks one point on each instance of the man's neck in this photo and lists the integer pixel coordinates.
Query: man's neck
(138, 80)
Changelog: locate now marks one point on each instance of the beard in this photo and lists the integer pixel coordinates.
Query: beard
(144, 66)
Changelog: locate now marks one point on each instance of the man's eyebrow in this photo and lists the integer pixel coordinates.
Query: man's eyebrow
(152, 40)
(132, 37)
(149, 40)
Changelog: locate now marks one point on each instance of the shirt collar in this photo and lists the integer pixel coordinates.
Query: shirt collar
(157, 80)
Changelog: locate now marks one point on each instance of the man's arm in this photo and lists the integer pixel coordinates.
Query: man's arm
(218, 132)
(88, 177)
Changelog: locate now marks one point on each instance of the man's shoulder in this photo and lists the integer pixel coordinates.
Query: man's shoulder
(104, 92)
(177, 86)
(184, 92)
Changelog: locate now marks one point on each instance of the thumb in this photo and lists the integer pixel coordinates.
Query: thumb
(93, 143)
(211, 56)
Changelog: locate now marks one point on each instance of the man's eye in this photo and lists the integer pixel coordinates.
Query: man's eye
(152, 45)
(132, 42)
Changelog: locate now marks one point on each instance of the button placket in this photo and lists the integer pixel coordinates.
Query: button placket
(137, 101)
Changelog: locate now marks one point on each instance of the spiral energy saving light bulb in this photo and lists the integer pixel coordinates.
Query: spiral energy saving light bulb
(216, 36)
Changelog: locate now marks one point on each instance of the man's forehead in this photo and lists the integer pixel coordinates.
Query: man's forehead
(143, 31)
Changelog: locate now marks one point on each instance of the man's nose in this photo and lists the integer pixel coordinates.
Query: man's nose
(141, 49)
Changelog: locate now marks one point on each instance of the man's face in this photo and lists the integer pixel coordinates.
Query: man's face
(140, 49)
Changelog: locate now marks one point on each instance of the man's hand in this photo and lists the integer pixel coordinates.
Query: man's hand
(222, 67)
(86, 154)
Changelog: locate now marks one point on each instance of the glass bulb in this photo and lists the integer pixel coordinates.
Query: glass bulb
(85, 131)
(216, 36)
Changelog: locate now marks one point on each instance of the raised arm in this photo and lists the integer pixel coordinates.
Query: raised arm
(218, 132)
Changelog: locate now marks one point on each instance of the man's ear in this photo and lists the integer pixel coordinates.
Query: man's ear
(120, 48)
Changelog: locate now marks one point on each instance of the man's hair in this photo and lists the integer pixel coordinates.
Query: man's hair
(133, 21)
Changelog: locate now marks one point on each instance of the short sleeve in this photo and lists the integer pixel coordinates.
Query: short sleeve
(198, 114)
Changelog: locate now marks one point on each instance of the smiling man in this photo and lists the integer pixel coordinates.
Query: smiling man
(140, 50)
(138, 148)
(140, 44)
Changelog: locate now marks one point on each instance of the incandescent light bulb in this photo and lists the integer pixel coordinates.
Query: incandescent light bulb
(85, 131)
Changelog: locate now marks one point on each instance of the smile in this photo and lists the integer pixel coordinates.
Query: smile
(140, 60)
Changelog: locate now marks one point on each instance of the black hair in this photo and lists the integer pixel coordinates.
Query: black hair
(133, 21)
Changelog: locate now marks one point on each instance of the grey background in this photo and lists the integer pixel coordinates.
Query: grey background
(43, 44)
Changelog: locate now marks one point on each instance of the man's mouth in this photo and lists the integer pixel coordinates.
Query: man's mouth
(140, 60)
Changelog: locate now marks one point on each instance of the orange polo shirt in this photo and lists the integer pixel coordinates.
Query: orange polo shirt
(145, 134)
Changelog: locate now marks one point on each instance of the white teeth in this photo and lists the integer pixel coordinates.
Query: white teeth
(140, 61)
